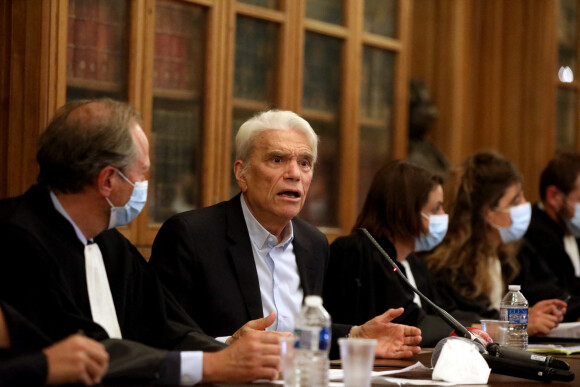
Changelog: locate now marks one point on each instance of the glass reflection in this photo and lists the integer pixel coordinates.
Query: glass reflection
(381, 17)
(376, 107)
(566, 119)
(177, 109)
(329, 11)
(568, 34)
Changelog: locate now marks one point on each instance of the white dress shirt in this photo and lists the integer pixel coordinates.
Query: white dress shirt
(191, 361)
(277, 272)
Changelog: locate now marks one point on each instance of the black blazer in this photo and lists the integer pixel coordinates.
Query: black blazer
(204, 257)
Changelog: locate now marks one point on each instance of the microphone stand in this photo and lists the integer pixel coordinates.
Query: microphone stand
(505, 366)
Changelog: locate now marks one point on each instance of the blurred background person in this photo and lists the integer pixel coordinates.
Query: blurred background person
(477, 259)
(549, 258)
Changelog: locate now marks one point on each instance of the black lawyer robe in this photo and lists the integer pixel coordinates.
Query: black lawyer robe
(42, 275)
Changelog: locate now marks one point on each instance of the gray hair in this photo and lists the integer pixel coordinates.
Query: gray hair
(272, 119)
(83, 137)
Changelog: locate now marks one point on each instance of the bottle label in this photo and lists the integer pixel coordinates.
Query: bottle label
(312, 338)
(516, 315)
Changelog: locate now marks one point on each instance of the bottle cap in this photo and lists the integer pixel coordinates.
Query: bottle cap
(313, 301)
(515, 288)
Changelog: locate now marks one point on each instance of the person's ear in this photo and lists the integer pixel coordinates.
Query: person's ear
(240, 175)
(104, 180)
(554, 197)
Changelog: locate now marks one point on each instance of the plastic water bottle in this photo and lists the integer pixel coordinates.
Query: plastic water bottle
(514, 308)
(312, 333)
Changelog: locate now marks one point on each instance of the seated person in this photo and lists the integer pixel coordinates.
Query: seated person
(477, 258)
(76, 359)
(66, 268)
(231, 264)
(403, 211)
(549, 257)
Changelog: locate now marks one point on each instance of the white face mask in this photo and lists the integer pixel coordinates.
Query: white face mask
(121, 216)
(437, 229)
(521, 216)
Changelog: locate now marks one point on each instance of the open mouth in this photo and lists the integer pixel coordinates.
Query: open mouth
(290, 194)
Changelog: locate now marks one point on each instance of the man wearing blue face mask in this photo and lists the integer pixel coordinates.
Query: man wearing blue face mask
(65, 267)
(549, 257)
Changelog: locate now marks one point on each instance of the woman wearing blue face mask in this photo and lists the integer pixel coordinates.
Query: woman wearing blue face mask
(477, 260)
(404, 212)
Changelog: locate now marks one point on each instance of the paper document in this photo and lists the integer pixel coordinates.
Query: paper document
(553, 348)
(566, 330)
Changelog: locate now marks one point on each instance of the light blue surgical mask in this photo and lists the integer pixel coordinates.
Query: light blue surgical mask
(574, 223)
(121, 216)
(437, 229)
(521, 216)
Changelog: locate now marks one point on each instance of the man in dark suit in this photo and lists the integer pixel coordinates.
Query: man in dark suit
(250, 258)
(66, 268)
(549, 257)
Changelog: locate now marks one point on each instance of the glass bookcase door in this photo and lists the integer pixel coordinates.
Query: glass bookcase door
(255, 74)
(376, 107)
(567, 108)
(329, 11)
(320, 107)
(177, 115)
(380, 17)
(97, 42)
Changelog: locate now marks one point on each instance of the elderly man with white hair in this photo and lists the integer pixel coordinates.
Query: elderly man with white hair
(245, 265)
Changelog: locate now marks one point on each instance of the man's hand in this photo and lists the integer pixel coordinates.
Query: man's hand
(252, 357)
(254, 326)
(394, 341)
(76, 359)
(545, 316)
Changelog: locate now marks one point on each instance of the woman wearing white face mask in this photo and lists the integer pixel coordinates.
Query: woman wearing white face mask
(404, 212)
(476, 260)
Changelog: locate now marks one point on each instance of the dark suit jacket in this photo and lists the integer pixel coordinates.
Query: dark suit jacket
(204, 257)
(546, 270)
(361, 284)
(42, 275)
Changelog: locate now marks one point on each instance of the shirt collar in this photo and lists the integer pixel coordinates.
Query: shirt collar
(62, 211)
(262, 238)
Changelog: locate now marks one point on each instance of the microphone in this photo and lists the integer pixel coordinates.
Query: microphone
(459, 329)
(502, 360)
(497, 350)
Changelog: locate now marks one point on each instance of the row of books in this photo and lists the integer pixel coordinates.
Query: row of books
(179, 46)
(97, 40)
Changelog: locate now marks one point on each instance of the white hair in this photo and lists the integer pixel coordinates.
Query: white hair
(268, 120)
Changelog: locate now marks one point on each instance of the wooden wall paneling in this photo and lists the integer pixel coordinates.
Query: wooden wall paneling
(538, 121)
(350, 115)
(226, 52)
(32, 89)
(5, 48)
(140, 94)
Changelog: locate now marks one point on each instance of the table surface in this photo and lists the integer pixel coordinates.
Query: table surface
(425, 358)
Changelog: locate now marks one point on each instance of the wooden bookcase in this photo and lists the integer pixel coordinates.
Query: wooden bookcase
(196, 69)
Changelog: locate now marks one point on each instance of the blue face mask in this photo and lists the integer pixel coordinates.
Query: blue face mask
(521, 216)
(437, 230)
(121, 216)
(574, 223)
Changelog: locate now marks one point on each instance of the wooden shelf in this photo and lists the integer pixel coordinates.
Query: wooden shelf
(178, 94)
(319, 115)
(373, 122)
(250, 104)
(93, 84)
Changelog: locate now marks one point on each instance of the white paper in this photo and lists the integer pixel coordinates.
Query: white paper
(566, 330)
